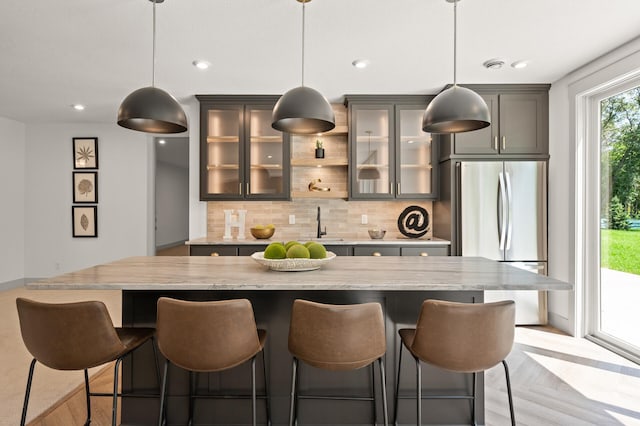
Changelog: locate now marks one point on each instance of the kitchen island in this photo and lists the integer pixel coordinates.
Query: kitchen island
(399, 284)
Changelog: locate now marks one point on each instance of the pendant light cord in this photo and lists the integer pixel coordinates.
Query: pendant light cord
(153, 55)
(303, 5)
(455, 44)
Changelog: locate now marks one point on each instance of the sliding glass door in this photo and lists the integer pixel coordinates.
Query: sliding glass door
(615, 297)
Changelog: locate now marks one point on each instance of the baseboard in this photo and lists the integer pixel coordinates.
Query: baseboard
(560, 323)
(174, 244)
(8, 285)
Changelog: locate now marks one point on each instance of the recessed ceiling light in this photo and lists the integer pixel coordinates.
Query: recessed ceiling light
(519, 64)
(201, 65)
(78, 107)
(360, 63)
(162, 141)
(493, 64)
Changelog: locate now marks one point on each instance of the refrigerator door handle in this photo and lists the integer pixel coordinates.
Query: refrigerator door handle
(502, 214)
(509, 210)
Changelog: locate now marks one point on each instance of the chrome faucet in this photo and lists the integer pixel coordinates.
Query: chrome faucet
(320, 232)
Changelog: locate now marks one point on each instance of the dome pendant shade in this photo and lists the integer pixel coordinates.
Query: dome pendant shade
(152, 110)
(303, 110)
(456, 110)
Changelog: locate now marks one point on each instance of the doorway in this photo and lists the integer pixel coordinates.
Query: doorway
(615, 290)
(171, 195)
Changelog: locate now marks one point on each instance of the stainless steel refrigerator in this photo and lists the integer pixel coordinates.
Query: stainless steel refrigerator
(503, 216)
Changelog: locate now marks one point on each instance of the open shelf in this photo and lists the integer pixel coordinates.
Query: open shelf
(416, 166)
(319, 194)
(319, 162)
(222, 167)
(272, 139)
(219, 139)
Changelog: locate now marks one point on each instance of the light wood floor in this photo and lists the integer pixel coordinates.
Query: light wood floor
(556, 380)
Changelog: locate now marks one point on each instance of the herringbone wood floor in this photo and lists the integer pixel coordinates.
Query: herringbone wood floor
(556, 380)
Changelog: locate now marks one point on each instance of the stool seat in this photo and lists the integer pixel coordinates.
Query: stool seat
(76, 336)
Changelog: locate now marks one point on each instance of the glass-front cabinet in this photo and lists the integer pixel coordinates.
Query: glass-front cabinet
(241, 155)
(391, 157)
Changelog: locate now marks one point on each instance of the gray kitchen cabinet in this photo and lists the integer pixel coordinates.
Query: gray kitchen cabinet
(376, 251)
(241, 156)
(248, 250)
(390, 157)
(213, 250)
(425, 251)
(519, 125)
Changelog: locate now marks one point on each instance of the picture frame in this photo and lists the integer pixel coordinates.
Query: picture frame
(85, 187)
(84, 221)
(85, 153)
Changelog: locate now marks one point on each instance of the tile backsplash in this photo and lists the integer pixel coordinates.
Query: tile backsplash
(343, 219)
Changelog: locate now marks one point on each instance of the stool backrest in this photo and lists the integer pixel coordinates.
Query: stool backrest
(207, 336)
(68, 336)
(337, 337)
(465, 337)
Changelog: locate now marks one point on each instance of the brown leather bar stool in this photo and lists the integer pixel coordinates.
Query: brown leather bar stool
(76, 336)
(338, 338)
(460, 337)
(209, 337)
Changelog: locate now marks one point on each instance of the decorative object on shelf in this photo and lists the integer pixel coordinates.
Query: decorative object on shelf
(456, 109)
(85, 153)
(232, 220)
(84, 221)
(151, 109)
(292, 264)
(369, 172)
(314, 187)
(303, 110)
(85, 187)
(413, 222)
(319, 149)
(376, 233)
(262, 232)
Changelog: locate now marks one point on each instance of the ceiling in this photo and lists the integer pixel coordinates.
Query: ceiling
(58, 53)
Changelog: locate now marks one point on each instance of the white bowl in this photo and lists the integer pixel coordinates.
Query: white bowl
(292, 264)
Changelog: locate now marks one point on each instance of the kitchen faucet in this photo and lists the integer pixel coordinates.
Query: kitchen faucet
(320, 232)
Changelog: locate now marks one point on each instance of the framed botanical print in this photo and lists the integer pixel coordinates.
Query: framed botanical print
(85, 187)
(85, 153)
(85, 221)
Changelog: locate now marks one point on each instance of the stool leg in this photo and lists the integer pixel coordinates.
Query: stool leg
(253, 391)
(27, 392)
(293, 415)
(114, 410)
(163, 389)
(383, 385)
(511, 411)
(397, 395)
(473, 401)
(155, 359)
(419, 386)
(266, 388)
(373, 394)
(88, 396)
(192, 385)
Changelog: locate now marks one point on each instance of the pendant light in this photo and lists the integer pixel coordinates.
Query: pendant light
(303, 110)
(151, 109)
(456, 109)
(369, 173)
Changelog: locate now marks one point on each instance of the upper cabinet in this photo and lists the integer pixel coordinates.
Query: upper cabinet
(390, 156)
(241, 155)
(519, 124)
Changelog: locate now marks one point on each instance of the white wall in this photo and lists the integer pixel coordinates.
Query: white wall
(12, 194)
(172, 204)
(565, 308)
(123, 191)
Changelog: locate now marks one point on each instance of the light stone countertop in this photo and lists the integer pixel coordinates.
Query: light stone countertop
(326, 241)
(391, 273)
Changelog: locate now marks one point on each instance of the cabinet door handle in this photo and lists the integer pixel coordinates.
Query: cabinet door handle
(504, 142)
(215, 254)
(495, 143)
(424, 254)
(376, 253)
(390, 187)
(240, 188)
(247, 186)
(398, 188)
